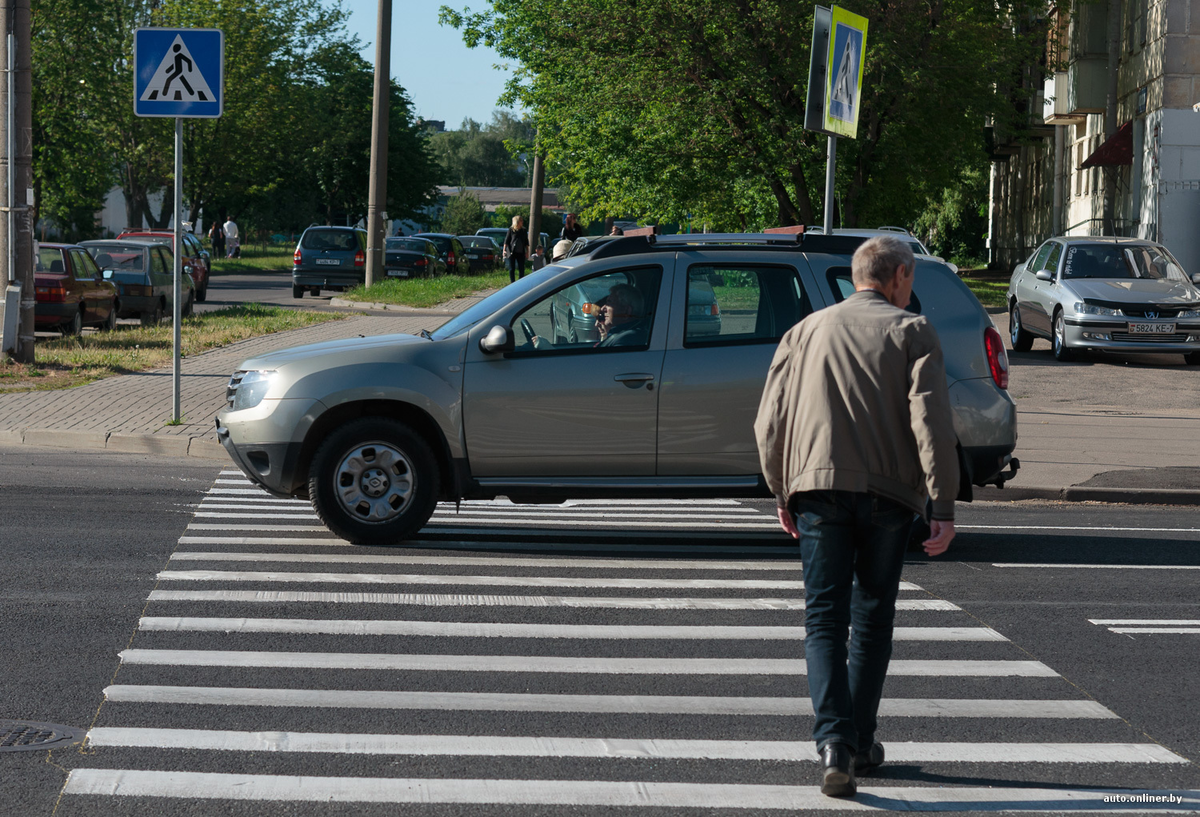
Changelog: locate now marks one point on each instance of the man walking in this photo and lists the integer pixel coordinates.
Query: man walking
(231, 239)
(854, 434)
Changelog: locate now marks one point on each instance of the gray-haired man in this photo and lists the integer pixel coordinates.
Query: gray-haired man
(854, 434)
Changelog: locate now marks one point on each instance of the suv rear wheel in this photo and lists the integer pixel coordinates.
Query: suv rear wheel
(374, 481)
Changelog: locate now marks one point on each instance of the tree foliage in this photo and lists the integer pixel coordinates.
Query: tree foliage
(464, 215)
(485, 155)
(661, 109)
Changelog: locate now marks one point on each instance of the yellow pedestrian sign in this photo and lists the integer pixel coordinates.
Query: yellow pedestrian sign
(843, 74)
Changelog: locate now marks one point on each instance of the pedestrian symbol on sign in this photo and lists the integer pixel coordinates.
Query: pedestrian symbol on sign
(177, 78)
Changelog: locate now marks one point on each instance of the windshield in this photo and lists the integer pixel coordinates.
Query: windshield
(492, 303)
(117, 257)
(413, 245)
(1112, 261)
(479, 241)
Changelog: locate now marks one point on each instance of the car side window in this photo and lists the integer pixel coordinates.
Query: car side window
(730, 305)
(613, 311)
(1051, 262)
(842, 285)
(159, 262)
(84, 267)
(1039, 260)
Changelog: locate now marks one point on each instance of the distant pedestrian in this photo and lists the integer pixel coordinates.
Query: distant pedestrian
(617, 231)
(231, 239)
(854, 433)
(571, 229)
(538, 259)
(516, 246)
(216, 235)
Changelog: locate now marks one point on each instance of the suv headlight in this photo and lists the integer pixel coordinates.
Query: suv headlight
(247, 389)
(1092, 309)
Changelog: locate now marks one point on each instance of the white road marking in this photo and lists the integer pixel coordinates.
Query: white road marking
(242, 481)
(1156, 630)
(260, 515)
(524, 547)
(261, 540)
(1175, 622)
(493, 581)
(473, 600)
(488, 561)
(693, 522)
(631, 794)
(1098, 567)
(245, 491)
(593, 704)
(569, 664)
(640, 512)
(1074, 527)
(270, 528)
(496, 746)
(455, 629)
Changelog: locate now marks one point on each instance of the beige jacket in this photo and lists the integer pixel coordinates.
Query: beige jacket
(856, 400)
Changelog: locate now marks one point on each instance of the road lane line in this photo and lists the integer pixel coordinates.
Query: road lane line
(1156, 630)
(262, 540)
(639, 794)
(524, 547)
(490, 561)
(265, 528)
(591, 704)
(765, 524)
(569, 664)
(475, 600)
(1175, 622)
(636, 748)
(1074, 527)
(492, 581)
(1098, 567)
(455, 629)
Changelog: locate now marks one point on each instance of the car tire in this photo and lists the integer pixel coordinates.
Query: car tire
(298, 291)
(110, 323)
(190, 306)
(314, 290)
(1019, 336)
(74, 327)
(374, 481)
(153, 318)
(202, 293)
(1058, 343)
(1192, 358)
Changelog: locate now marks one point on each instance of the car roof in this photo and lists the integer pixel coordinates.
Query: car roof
(1102, 239)
(434, 235)
(332, 227)
(127, 242)
(54, 245)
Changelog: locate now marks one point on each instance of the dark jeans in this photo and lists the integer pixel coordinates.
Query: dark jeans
(516, 260)
(852, 546)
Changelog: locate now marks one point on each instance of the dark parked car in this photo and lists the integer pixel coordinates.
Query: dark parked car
(71, 291)
(144, 274)
(482, 251)
(411, 257)
(196, 260)
(329, 258)
(450, 250)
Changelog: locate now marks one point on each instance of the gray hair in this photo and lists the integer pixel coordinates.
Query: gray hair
(874, 263)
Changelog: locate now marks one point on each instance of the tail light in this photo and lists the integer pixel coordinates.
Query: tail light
(450, 259)
(297, 256)
(716, 310)
(360, 259)
(996, 356)
(138, 290)
(52, 295)
(420, 262)
(489, 256)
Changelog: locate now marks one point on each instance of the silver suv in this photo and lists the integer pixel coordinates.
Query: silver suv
(634, 372)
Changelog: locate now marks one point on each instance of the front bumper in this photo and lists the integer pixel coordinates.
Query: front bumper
(1113, 336)
(266, 442)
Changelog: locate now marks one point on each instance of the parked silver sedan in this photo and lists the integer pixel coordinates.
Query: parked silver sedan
(1105, 294)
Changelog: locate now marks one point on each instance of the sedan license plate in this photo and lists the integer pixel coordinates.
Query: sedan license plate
(330, 262)
(1152, 329)
(398, 273)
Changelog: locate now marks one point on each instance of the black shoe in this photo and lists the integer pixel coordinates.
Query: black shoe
(869, 760)
(838, 768)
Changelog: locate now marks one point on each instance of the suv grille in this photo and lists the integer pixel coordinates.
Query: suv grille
(232, 388)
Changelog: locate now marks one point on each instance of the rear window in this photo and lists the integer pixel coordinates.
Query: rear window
(479, 241)
(410, 244)
(118, 257)
(843, 287)
(50, 259)
(329, 240)
(442, 244)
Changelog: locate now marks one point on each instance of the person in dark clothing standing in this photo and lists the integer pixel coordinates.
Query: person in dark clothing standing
(217, 236)
(571, 229)
(516, 247)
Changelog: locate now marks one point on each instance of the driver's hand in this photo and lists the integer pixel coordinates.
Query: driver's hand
(537, 342)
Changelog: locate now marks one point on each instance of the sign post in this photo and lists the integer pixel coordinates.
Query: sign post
(178, 73)
(835, 85)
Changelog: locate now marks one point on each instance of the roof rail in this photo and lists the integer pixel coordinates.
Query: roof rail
(632, 245)
(789, 239)
(892, 229)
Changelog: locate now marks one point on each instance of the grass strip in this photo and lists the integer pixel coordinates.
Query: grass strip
(271, 259)
(989, 293)
(72, 361)
(427, 292)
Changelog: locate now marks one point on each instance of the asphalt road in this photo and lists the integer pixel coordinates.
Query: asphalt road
(90, 537)
(274, 288)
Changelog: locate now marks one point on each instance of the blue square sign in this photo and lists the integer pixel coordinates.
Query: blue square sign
(178, 72)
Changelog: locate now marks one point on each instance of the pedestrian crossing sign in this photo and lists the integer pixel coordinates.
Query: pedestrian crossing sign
(179, 72)
(843, 74)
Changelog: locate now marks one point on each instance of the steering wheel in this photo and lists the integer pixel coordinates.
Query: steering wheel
(527, 328)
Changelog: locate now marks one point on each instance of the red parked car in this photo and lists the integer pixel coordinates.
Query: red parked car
(196, 259)
(71, 291)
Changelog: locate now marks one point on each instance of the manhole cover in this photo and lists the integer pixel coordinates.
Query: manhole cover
(24, 736)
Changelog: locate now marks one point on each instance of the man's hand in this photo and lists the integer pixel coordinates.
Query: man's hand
(940, 534)
(789, 524)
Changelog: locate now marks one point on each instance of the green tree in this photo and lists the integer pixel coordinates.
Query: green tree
(464, 215)
(665, 109)
(485, 155)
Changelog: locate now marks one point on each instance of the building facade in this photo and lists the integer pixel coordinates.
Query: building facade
(1052, 179)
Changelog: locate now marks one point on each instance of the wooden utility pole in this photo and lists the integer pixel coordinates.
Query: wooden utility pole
(535, 200)
(377, 192)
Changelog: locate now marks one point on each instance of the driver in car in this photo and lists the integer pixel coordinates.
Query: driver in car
(621, 320)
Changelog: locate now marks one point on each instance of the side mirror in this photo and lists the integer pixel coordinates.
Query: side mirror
(1044, 275)
(498, 339)
(107, 274)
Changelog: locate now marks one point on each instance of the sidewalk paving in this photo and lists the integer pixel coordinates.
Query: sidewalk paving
(1100, 454)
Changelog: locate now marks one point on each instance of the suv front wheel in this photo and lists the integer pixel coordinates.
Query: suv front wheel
(374, 482)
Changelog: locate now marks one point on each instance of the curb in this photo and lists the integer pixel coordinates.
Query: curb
(165, 445)
(1085, 493)
(415, 311)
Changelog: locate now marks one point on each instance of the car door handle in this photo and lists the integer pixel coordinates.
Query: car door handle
(635, 379)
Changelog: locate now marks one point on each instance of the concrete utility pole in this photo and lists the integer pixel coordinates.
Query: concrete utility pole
(535, 201)
(16, 178)
(377, 193)
(1109, 223)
